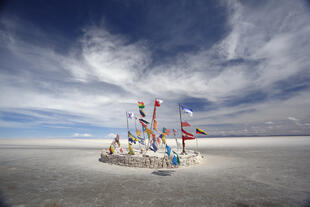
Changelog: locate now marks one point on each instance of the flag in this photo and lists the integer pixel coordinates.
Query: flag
(166, 131)
(168, 150)
(144, 126)
(130, 149)
(141, 140)
(138, 132)
(175, 130)
(163, 137)
(158, 140)
(116, 140)
(175, 159)
(132, 138)
(111, 149)
(187, 111)
(141, 104)
(144, 121)
(185, 124)
(200, 131)
(130, 115)
(153, 146)
(155, 125)
(158, 102)
(186, 135)
(148, 131)
(142, 113)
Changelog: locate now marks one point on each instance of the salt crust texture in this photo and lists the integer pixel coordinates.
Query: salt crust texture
(148, 161)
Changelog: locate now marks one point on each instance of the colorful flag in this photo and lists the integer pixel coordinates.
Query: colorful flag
(175, 159)
(163, 137)
(155, 125)
(116, 140)
(200, 131)
(187, 135)
(130, 149)
(148, 131)
(144, 121)
(185, 124)
(158, 102)
(141, 140)
(142, 113)
(130, 115)
(132, 138)
(168, 150)
(187, 111)
(141, 104)
(166, 131)
(154, 147)
(175, 130)
(111, 149)
(138, 132)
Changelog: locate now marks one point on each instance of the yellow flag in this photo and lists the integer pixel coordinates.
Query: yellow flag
(130, 150)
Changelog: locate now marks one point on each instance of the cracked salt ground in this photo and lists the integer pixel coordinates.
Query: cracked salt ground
(236, 172)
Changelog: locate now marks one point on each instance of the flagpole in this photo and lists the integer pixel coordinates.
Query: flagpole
(127, 129)
(183, 143)
(136, 132)
(148, 135)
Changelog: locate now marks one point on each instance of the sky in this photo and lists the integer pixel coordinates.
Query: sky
(73, 68)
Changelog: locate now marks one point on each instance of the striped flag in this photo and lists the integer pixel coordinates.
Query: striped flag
(141, 104)
(200, 131)
(142, 113)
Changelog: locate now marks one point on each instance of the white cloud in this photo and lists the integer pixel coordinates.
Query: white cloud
(81, 135)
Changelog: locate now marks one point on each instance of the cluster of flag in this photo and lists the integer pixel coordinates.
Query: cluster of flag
(115, 145)
(172, 155)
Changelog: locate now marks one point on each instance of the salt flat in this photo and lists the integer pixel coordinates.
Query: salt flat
(260, 171)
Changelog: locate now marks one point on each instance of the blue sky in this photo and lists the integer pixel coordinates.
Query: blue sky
(73, 68)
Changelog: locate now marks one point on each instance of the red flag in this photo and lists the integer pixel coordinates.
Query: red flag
(155, 125)
(187, 135)
(167, 132)
(185, 124)
(158, 102)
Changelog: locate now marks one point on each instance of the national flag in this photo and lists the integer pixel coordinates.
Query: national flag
(200, 131)
(163, 137)
(141, 104)
(111, 149)
(187, 111)
(168, 150)
(155, 124)
(185, 124)
(141, 140)
(144, 121)
(142, 113)
(132, 138)
(144, 126)
(130, 149)
(187, 135)
(130, 115)
(175, 159)
(158, 102)
(153, 146)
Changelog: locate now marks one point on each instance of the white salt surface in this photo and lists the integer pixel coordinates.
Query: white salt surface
(269, 171)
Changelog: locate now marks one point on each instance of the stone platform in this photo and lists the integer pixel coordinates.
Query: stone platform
(157, 160)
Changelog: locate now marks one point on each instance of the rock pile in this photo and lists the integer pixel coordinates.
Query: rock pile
(147, 161)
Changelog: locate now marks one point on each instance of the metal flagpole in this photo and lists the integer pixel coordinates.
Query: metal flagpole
(127, 130)
(196, 143)
(183, 143)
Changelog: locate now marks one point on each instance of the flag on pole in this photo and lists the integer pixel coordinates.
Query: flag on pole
(142, 113)
(175, 130)
(200, 131)
(143, 121)
(187, 111)
(163, 137)
(175, 159)
(185, 124)
(168, 150)
(158, 102)
(186, 135)
(130, 115)
(138, 132)
(154, 147)
(130, 149)
(111, 149)
(132, 138)
(141, 104)
(116, 140)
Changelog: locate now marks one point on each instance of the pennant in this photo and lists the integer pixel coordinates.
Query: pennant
(200, 131)
(142, 113)
(187, 111)
(185, 124)
(175, 159)
(130, 115)
(144, 121)
(131, 152)
(132, 138)
(155, 125)
(168, 150)
(141, 104)
(158, 102)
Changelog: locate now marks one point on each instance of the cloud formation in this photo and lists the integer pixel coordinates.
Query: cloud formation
(257, 74)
